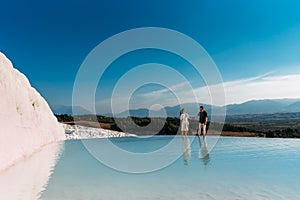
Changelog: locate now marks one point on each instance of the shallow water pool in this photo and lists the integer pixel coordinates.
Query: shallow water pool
(236, 168)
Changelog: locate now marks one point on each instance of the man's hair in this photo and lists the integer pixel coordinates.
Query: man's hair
(201, 107)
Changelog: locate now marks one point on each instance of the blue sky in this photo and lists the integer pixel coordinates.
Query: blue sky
(257, 40)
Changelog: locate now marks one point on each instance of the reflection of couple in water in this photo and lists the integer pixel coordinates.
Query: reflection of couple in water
(184, 127)
(186, 150)
(184, 122)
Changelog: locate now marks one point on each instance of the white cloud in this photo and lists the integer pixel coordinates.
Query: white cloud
(266, 86)
(164, 91)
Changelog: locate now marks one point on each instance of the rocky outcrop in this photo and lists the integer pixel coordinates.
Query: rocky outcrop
(26, 121)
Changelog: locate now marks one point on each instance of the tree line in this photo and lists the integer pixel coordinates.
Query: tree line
(170, 125)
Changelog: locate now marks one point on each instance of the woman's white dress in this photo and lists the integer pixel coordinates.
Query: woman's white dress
(184, 122)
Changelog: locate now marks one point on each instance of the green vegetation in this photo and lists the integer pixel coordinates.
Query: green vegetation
(64, 118)
(271, 128)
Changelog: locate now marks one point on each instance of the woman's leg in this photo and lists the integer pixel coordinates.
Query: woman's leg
(182, 132)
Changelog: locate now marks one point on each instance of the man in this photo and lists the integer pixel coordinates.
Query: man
(202, 121)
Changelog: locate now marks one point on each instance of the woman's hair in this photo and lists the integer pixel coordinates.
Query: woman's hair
(181, 111)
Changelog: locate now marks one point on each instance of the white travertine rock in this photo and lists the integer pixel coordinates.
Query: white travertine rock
(82, 132)
(26, 121)
(29, 178)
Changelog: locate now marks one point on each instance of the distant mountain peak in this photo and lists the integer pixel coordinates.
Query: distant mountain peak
(262, 106)
(70, 110)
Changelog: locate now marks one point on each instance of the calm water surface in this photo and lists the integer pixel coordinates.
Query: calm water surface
(236, 168)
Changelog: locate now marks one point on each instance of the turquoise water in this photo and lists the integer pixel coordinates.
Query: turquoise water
(236, 168)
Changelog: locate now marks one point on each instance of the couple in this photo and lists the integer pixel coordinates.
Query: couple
(184, 121)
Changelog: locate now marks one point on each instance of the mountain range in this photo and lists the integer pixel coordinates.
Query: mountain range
(76, 110)
(267, 106)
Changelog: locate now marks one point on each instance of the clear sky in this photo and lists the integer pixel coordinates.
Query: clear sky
(255, 44)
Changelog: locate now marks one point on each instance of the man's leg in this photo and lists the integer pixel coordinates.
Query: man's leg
(204, 130)
(199, 130)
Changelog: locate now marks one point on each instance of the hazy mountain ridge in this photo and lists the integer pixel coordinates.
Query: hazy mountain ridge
(267, 106)
(295, 106)
(62, 109)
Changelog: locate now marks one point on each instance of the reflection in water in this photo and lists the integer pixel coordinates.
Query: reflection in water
(27, 179)
(186, 149)
(204, 153)
(78, 175)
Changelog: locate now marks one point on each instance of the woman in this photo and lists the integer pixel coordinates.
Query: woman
(184, 122)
